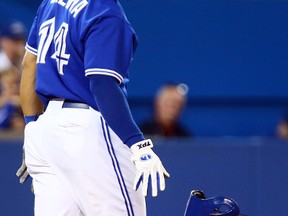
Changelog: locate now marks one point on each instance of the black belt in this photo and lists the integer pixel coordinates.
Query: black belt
(74, 104)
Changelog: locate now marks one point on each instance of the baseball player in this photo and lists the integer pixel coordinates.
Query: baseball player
(83, 149)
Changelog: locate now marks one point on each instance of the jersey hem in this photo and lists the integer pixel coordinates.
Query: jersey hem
(107, 72)
(31, 49)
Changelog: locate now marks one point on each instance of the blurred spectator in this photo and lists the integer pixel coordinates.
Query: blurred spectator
(168, 106)
(10, 111)
(12, 45)
(282, 128)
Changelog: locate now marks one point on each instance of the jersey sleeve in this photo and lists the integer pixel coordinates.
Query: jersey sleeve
(109, 48)
(31, 44)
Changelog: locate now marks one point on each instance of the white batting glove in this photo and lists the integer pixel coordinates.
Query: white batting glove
(149, 167)
(22, 172)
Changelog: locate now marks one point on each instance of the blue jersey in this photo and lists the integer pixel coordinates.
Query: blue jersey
(74, 39)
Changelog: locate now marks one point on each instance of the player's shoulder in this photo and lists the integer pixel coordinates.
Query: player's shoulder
(104, 8)
(42, 6)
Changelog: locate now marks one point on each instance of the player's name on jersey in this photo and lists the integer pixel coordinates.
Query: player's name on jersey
(73, 6)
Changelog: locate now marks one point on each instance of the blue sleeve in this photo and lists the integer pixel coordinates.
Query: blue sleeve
(110, 46)
(114, 107)
(31, 44)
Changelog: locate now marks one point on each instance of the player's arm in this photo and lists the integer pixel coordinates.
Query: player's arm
(30, 101)
(115, 42)
(113, 106)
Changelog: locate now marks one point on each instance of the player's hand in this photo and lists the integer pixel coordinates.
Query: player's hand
(22, 172)
(149, 168)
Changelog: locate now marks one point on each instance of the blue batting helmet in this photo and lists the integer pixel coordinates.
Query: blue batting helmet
(199, 205)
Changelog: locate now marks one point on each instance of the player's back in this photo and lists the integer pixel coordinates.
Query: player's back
(59, 37)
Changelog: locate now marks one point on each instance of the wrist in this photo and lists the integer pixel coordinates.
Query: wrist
(135, 138)
(30, 118)
(145, 144)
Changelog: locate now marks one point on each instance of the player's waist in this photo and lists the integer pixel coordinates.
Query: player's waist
(61, 103)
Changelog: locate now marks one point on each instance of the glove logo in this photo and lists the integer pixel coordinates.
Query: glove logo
(145, 157)
(142, 145)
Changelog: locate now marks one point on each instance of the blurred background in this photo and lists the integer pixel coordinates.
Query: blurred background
(232, 56)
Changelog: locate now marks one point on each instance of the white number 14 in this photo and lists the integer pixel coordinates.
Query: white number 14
(47, 35)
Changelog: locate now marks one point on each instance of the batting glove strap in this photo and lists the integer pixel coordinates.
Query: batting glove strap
(149, 168)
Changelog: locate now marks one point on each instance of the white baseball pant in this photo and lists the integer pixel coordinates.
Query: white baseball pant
(79, 165)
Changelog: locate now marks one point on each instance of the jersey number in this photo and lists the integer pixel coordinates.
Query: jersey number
(47, 36)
